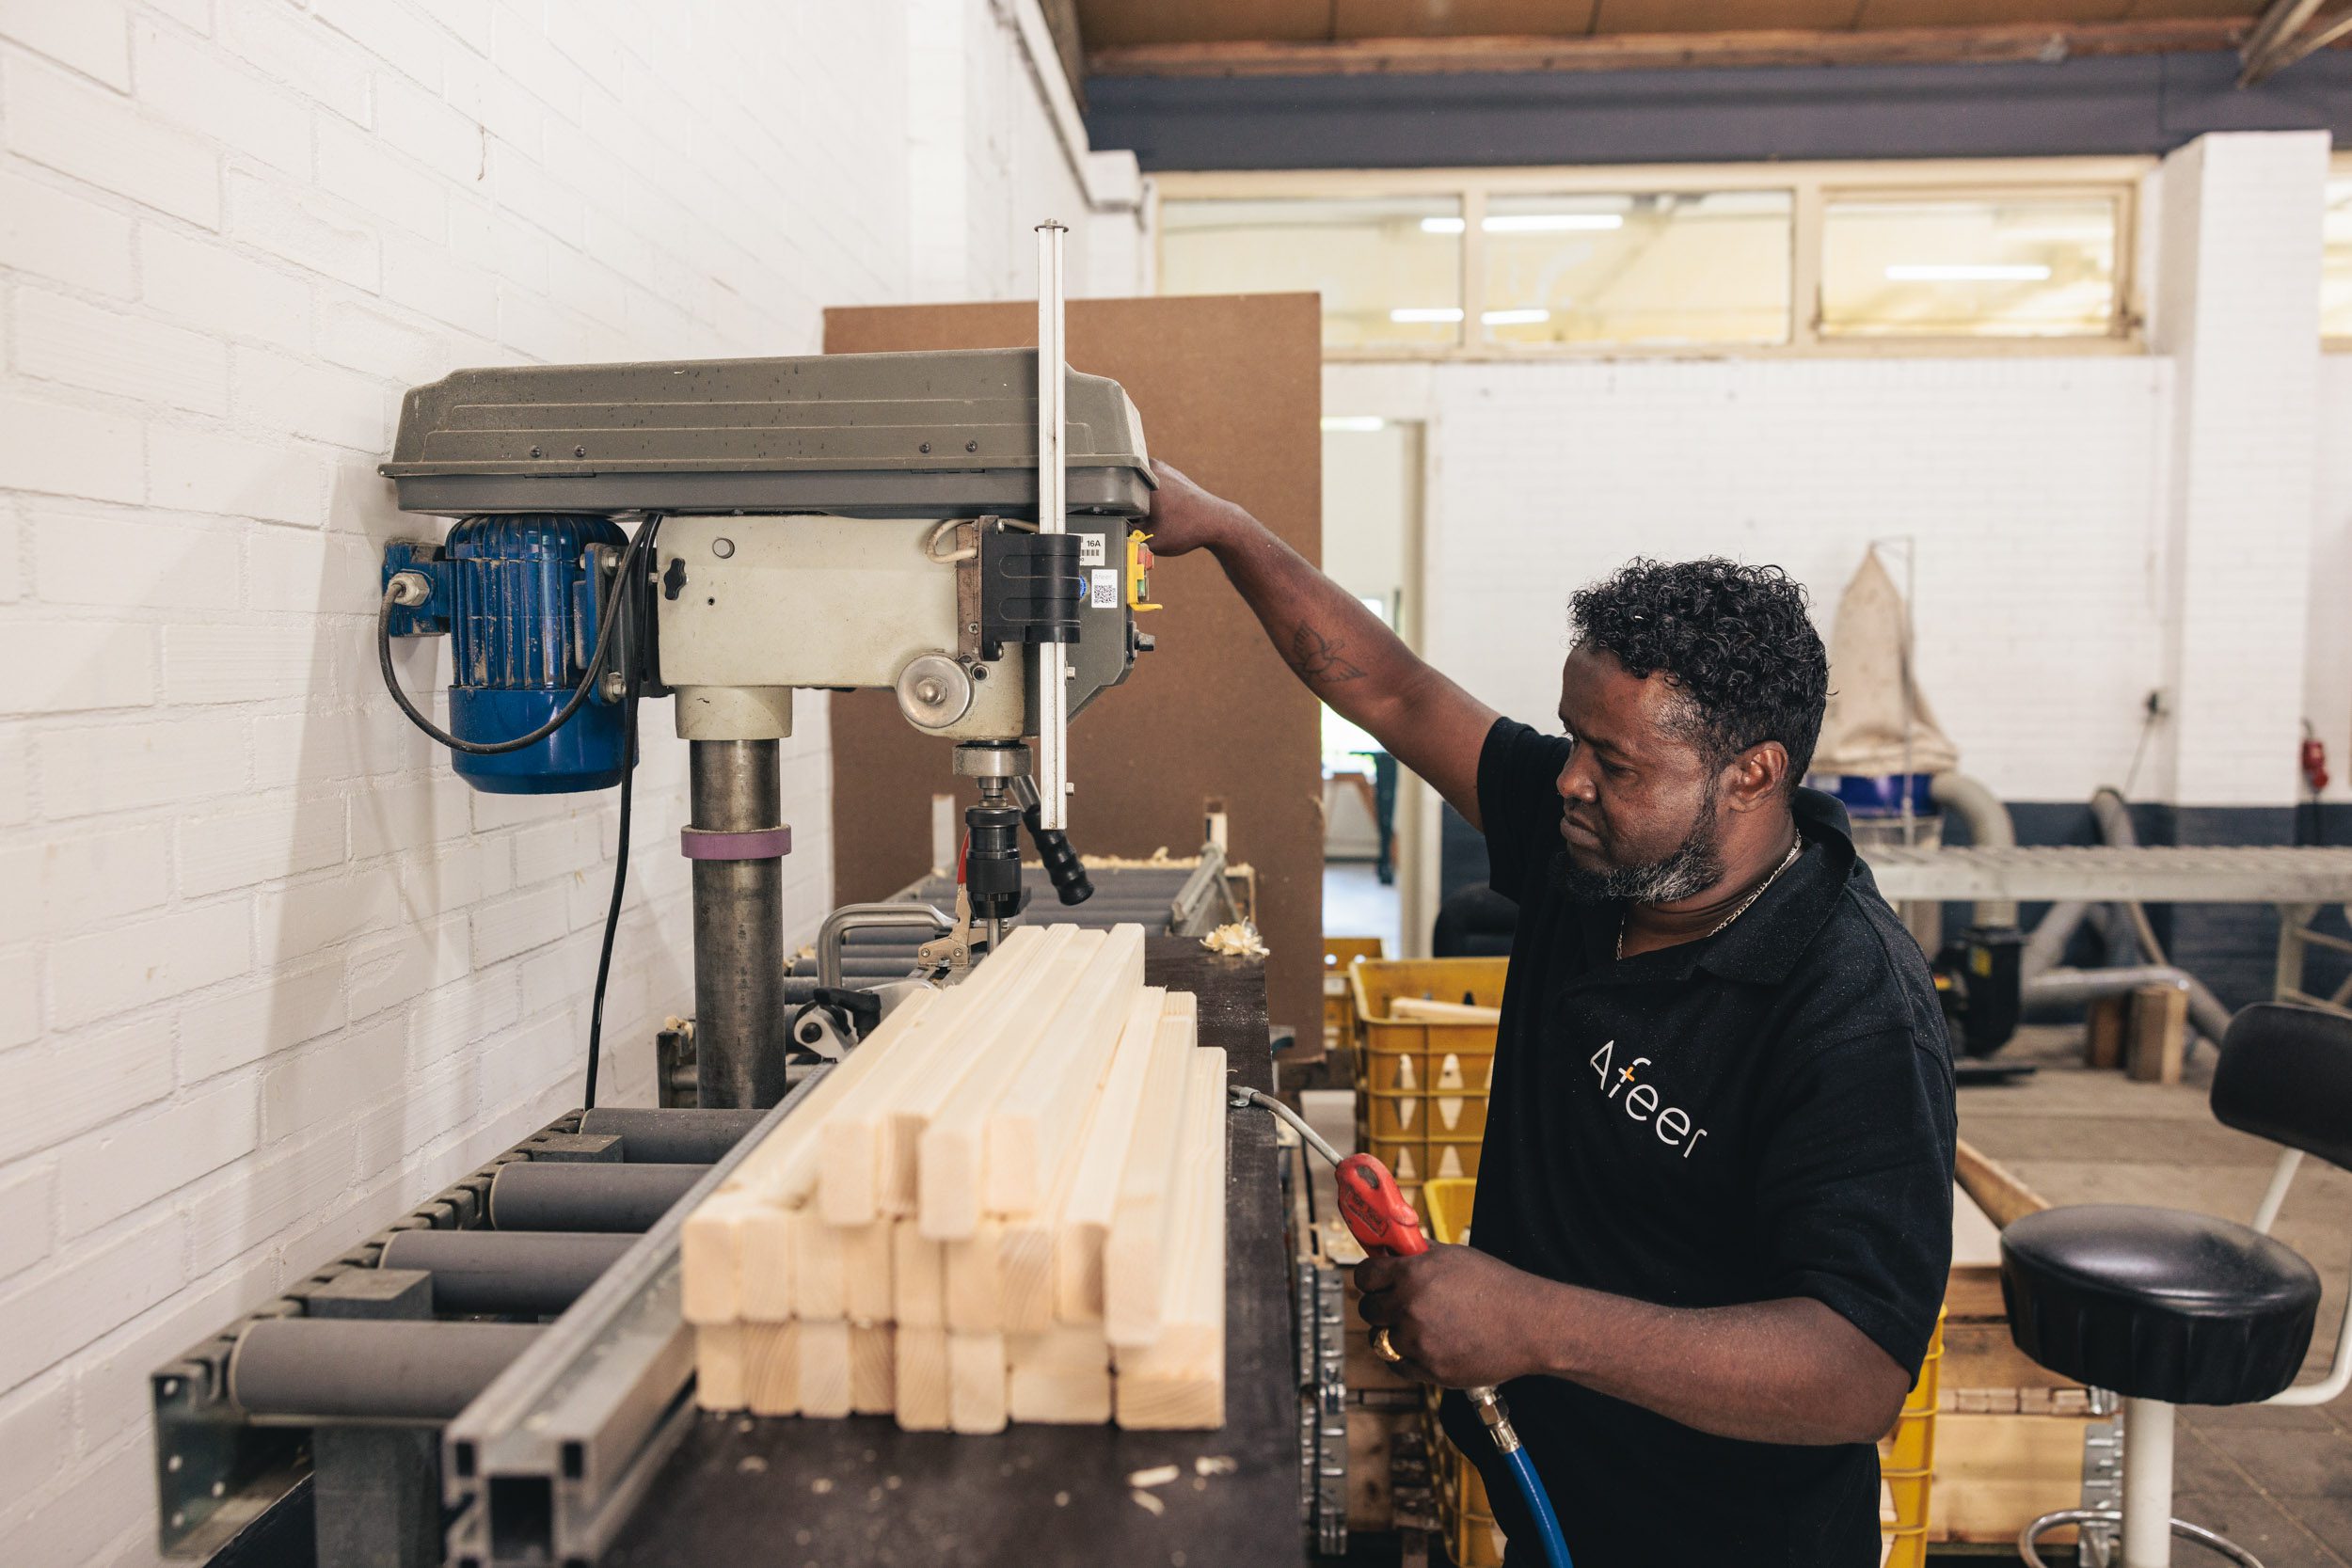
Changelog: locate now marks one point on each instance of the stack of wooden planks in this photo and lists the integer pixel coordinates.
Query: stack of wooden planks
(1007, 1204)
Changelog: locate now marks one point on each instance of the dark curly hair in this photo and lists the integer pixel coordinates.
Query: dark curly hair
(1736, 640)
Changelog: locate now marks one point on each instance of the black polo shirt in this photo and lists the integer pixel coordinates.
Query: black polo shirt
(1762, 1114)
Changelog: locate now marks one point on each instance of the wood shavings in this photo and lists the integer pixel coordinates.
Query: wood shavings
(1214, 1465)
(1159, 857)
(1237, 940)
(1149, 1503)
(1158, 1475)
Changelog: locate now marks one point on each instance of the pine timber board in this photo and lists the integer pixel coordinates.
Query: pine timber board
(961, 1499)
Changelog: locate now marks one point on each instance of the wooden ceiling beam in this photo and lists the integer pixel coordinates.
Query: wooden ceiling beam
(2047, 42)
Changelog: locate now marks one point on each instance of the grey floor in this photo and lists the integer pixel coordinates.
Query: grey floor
(2277, 1480)
(1356, 905)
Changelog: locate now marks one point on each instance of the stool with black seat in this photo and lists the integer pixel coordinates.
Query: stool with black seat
(2167, 1308)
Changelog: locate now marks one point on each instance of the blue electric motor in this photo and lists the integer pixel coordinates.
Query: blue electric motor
(522, 604)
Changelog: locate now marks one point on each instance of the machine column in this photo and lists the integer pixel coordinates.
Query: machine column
(738, 928)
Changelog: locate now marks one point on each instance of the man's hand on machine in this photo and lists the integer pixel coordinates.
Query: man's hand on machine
(1185, 517)
(1456, 1316)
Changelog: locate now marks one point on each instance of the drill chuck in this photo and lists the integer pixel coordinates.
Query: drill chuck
(992, 861)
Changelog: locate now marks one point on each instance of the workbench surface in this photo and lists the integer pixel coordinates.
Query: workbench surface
(789, 1491)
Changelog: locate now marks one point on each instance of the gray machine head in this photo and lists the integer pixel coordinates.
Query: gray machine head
(942, 434)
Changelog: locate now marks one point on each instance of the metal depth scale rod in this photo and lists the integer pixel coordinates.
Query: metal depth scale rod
(1053, 516)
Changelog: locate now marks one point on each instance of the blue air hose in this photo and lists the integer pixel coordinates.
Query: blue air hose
(1555, 1547)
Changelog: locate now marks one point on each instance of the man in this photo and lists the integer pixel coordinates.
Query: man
(1714, 1207)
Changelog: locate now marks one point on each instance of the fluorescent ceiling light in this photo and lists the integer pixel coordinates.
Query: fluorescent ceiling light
(1410, 315)
(1354, 423)
(1514, 318)
(1527, 223)
(1968, 271)
(1550, 223)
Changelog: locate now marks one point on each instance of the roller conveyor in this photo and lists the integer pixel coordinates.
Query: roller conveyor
(532, 1194)
(656, 1137)
(582, 1443)
(349, 1374)
(505, 1274)
(317, 1372)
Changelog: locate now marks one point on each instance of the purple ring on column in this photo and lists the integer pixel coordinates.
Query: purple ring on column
(760, 843)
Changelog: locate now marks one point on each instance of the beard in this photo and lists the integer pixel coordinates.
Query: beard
(1692, 866)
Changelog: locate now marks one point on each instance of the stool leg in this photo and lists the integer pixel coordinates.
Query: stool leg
(2147, 1483)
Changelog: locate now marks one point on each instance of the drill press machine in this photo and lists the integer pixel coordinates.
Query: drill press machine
(955, 527)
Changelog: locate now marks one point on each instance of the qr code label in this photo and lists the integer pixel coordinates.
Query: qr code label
(1105, 591)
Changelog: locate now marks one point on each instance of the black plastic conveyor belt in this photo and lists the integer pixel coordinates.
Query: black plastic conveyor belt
(566, 1195)
(309, 1371)
(522, 1273)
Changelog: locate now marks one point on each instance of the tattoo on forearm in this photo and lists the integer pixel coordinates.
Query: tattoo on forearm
(1316, 657)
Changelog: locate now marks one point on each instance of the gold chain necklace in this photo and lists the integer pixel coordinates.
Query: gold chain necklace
(1791, 858)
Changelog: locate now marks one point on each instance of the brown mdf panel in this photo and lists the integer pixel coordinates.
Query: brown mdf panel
(1230, 387)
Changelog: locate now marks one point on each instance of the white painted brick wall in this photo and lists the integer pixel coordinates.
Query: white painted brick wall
(2328, 667)
(2239, 314)
(2029, 484)
(269, 972)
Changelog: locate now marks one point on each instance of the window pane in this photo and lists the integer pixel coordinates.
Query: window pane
(1999, 267)
(2335, 275)
(1389, 270)
(1663, 268)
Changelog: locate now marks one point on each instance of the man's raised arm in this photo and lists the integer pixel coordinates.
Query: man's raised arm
(1343, 652)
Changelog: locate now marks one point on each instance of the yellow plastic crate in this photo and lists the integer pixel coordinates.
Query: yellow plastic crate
(1912, 1445)
(1393, 1113)
(1904, 1499)
(1450, 1203)
(1421, 1102)
(1907, 1462)
(1339, 1000)
(1903, 1549)
(1426, 1072)
(1376, 983)
(1414, 1160)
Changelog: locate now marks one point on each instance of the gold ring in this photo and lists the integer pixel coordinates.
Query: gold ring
(1381, 1348)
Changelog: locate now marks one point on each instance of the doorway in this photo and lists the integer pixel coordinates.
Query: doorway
(1372, 544)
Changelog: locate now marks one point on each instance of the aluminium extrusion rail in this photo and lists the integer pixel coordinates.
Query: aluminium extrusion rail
(546, 1465)
(2143, 873)
(2297, 881)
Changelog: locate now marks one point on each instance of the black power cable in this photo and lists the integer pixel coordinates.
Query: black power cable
(628, 792)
